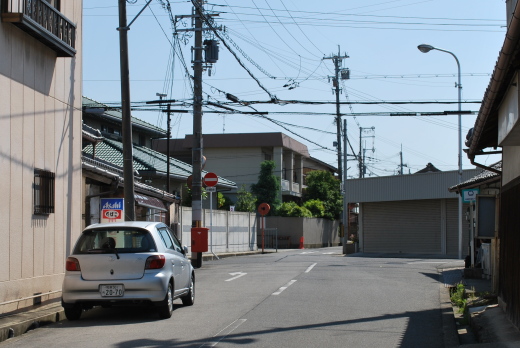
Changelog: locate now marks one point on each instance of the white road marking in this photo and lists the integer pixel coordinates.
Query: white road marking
(236, 276)
(225, 332)
(310, 267)
(308, 252)
(284, 287)
(329, 253)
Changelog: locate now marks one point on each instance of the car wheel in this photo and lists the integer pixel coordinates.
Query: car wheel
(189, 299)
(166, 306)
(73, 313)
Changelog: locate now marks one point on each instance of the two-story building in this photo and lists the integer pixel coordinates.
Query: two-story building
(237, 157)
(40, 147)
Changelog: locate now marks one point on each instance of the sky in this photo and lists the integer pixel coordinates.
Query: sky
(280, 49)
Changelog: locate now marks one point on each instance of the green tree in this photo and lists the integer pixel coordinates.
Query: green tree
(187, 198)
(323, 186)
(268, 186)
(223, 202)
(316, 207)
(246, 201)
(291, 209)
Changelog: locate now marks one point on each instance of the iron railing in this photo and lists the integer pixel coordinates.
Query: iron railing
(44, 22)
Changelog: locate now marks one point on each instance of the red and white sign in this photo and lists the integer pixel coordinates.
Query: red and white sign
(210, 179)
(111, 214)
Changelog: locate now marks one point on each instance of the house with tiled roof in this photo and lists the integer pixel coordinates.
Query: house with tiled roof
(497, 131)
(102, 162)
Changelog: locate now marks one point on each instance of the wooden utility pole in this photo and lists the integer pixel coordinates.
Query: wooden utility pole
(128, 160)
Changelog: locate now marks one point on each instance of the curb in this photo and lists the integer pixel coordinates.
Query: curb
(449, 327)
(17, 324)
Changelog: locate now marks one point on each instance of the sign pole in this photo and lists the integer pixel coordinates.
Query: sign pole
(263, 209)
(211, 180)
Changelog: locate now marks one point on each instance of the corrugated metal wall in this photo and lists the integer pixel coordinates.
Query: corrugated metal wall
(405, 187)
(452, 229)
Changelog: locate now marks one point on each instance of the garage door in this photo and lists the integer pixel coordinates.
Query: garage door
(402, 227)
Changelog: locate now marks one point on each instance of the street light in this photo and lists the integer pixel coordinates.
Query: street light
(425, 49)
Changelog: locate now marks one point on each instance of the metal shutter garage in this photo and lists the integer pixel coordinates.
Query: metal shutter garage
(402, 226)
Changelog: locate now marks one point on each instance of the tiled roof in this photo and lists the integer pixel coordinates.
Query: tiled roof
(485, 176)
(145, 159)
(109, 111)
(115, 173)
(430, 168)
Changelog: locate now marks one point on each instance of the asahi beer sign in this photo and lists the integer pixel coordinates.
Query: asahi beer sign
(112, 210)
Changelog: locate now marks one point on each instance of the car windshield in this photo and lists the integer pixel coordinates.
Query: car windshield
(114, 240)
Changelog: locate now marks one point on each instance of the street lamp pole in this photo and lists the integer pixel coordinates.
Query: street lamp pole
(425, 49)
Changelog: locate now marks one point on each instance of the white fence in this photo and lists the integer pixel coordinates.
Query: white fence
(229, 231)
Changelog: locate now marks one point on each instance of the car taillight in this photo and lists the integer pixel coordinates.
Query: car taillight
(72, 264)
(155, 262)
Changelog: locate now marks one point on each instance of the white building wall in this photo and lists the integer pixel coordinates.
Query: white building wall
(40, 127)
(510, 163)
(241, 165)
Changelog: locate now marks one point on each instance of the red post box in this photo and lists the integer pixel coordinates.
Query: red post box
(199, 239)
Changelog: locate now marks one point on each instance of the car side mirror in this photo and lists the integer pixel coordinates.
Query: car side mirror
(185, 250)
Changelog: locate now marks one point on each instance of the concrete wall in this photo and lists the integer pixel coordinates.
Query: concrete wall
(40, 127)
(230, 231)
(316, 233)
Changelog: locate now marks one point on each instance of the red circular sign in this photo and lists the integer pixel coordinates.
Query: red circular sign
(263, 209)
(210, 179)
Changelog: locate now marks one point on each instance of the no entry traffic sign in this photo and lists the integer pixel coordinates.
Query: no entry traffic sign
(210, 179)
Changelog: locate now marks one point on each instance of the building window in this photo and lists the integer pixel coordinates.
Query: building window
(43, 192)
(267, 157)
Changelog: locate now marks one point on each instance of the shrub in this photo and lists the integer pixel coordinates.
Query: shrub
(316, 207)
(291, 209)
(458, 297)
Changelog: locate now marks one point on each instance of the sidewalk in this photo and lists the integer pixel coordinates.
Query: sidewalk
(488, 325)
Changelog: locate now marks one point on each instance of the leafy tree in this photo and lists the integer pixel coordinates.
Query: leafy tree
(268, 186)
(316, 207)
(323, 186)
(246, 201)
(187, 198)
(291, 209)
(223, 202)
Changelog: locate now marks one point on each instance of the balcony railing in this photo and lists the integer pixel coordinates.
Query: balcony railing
(287, 189)
(42, 21)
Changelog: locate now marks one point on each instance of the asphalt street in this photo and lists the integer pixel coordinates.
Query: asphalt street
(296, 298)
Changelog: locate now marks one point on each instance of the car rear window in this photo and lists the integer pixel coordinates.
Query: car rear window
(121, 240)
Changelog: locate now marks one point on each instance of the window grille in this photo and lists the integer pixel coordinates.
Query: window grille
(43, 192)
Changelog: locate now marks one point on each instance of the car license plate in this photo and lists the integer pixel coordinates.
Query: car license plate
(112, 290)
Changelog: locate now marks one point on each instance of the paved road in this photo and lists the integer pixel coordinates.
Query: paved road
(298, 298)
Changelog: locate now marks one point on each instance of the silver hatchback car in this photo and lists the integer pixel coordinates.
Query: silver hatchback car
(134, 262)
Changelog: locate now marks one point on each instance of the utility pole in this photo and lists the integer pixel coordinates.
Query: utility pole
(128, 165)
(196, 190)
(362, 166)
(346, 221)
(337, 60)
(401, 155)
